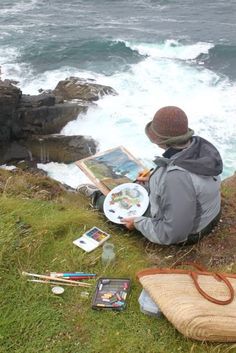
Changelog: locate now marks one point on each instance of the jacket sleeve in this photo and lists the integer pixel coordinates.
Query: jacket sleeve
(178, 207)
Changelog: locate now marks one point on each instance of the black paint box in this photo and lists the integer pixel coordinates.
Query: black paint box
(111, 293)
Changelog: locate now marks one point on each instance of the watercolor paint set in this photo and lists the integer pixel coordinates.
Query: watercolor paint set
(91, 239)
(111, 293)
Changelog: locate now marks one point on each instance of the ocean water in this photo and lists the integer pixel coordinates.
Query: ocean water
(152, 52)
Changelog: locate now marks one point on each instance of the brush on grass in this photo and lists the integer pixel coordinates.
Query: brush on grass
(79, 284)
(51, 282)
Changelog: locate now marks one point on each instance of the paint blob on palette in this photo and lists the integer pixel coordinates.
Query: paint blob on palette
(126, 200)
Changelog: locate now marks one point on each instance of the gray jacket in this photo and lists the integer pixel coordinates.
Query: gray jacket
(184, 192)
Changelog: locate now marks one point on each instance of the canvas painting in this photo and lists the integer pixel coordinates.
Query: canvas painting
(111, 168)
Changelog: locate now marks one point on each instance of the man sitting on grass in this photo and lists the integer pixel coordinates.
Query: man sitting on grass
(184, 188)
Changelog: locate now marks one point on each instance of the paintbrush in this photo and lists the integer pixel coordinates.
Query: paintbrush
(50, 282)
(70, 275)
(80, 284)
(143, 174)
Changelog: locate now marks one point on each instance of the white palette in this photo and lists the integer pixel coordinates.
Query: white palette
(124, 201)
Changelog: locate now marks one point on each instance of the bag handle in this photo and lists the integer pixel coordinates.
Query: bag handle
(207, 296)
(217, 276)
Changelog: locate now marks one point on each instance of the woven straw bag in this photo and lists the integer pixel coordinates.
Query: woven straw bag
(200, 304)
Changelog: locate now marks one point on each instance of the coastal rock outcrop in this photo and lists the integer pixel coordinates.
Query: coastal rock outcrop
(24, 116)
(13, 152)
(59, 148)
(9, 99)
(42, 115)
(81, 89)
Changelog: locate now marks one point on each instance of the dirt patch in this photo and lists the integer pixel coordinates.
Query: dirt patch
(217, 250)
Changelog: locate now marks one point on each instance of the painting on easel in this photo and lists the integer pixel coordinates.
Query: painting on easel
(111, 168)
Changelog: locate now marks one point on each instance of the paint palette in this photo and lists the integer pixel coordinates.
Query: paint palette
(91, 239)
(124, 201)
(111, 293)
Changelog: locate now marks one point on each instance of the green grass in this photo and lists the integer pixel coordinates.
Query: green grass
(36, 236)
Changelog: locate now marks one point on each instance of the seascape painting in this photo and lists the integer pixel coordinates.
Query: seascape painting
(111, 168)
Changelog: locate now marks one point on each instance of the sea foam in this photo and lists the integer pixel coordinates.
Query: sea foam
(167, 75)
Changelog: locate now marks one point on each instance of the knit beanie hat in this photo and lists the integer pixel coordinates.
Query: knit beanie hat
(169, 127)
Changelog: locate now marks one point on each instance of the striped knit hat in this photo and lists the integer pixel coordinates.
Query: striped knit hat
(169, 127)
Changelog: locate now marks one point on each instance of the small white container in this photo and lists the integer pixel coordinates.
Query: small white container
(57, 290)
(147, 305)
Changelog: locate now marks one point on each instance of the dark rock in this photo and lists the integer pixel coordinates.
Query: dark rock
(86, 90)
(38, 100)
(9, 99)
(58, 99)
(47, 119)
(25, 116)
(13, 152)
(59, 148)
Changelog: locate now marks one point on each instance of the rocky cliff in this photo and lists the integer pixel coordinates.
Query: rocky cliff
(28, 121)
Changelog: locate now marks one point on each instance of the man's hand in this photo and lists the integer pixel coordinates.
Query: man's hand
(143, 179)
(128, 223)
(144, 176)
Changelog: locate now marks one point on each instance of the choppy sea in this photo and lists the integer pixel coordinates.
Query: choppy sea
(152, 52)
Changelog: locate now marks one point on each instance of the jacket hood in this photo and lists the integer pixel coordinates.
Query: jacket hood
(201, 157)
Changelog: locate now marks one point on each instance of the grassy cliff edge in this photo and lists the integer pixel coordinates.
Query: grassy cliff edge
(39, 220)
